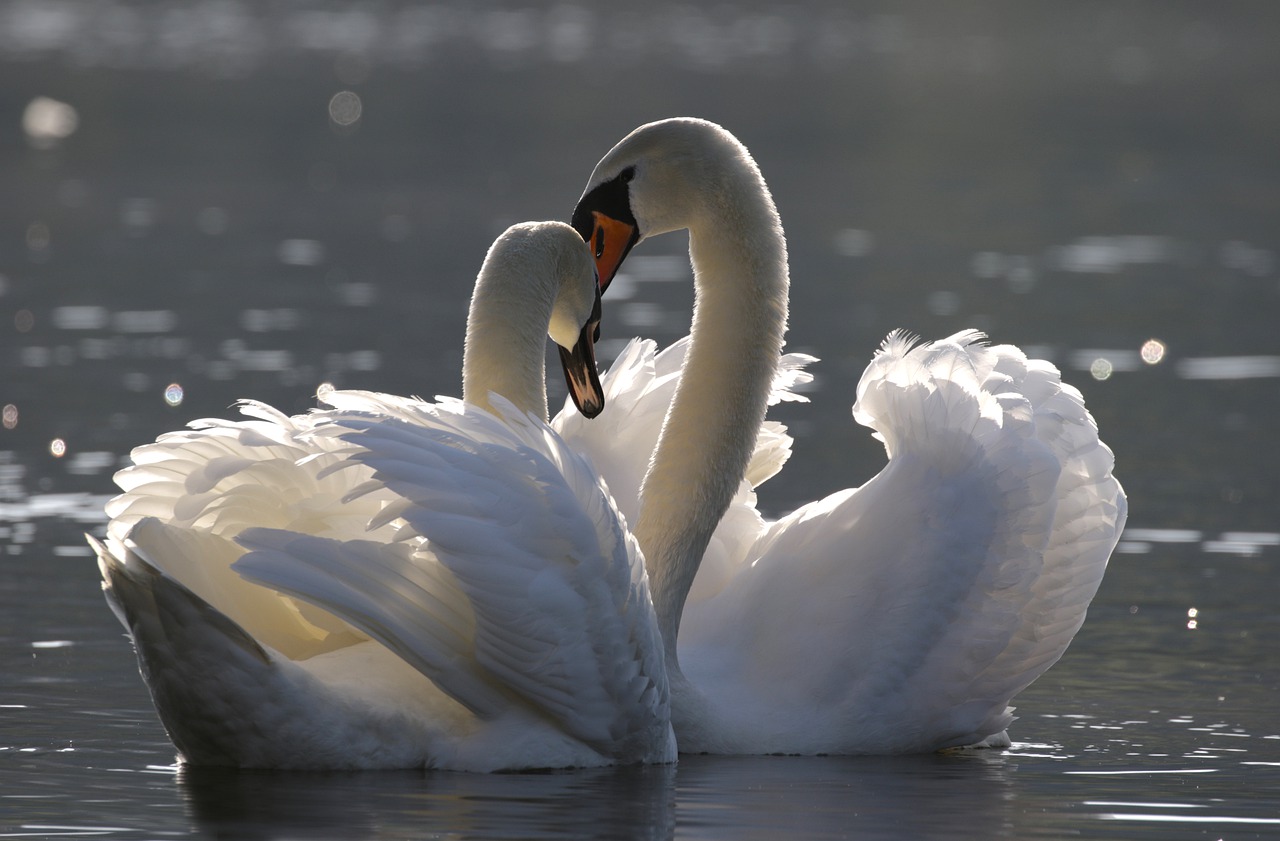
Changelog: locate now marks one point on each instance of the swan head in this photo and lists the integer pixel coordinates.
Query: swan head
(538, 279)
(575, 318)
(664, 176)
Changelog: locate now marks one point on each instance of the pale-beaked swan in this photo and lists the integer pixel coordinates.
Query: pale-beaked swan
(461, 592)
(900, 616)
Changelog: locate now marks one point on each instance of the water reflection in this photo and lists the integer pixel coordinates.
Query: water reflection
(224, 39)
(1229, 367)
(1110, 255)
(839, 797)
(1218, 820)
(91, 462)
(637, 803)
(703, 797)
(1139, 541)
(267, 321)
(979, 794)
(300, 252)
(1103, 362)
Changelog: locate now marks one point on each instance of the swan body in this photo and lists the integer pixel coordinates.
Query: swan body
(900, 616)
(638, 389)
(392, 583)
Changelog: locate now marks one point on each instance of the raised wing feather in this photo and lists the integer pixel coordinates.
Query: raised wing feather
(952, 579)
(519, 525)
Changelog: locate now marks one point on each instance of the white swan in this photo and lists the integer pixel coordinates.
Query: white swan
(900, 616)
(519, 634)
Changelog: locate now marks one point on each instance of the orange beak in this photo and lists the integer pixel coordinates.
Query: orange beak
(610, 242)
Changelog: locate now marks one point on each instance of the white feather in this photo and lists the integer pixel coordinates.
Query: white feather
(902, 615)
(396, 583)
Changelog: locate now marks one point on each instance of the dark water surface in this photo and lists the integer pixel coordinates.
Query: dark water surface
(195, 212)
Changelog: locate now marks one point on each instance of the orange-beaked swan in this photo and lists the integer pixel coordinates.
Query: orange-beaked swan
(900, 616)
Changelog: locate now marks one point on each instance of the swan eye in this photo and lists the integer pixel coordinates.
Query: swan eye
(627, 174)
(599, 242)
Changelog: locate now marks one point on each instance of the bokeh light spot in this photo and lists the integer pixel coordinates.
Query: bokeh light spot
(345, 108)
(57, 448)
(1101, 369)
(1152, 351)
(46, 121)
(9, 416)
(23, 320)
(173, 394)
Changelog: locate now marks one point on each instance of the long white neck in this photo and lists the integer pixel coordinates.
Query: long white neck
(505, 345)
(740, 312)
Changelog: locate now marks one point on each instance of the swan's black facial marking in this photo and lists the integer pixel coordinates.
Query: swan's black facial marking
(612, 198)
(604, 220)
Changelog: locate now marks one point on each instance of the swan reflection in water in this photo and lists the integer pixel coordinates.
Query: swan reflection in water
(703, 796)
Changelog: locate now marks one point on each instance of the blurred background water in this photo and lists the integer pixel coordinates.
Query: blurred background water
(205, 200)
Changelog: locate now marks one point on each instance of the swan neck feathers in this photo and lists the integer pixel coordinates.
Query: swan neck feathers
(537, 278)
(696, 175)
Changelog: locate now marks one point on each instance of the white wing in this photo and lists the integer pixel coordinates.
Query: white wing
(513, 573)
(210, 481)
(227, 699)
(941, 587)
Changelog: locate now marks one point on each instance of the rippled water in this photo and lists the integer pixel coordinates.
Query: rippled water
(212, 200)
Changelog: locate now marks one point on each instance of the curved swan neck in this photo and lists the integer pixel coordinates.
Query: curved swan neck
(739, 257)
(505, 346)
